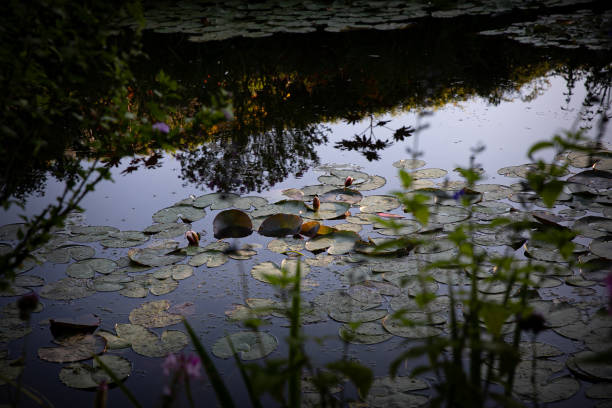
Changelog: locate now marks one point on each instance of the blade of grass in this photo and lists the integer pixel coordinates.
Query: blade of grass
(28, 393)
(295, 377)
(223, 395)
(117, 381)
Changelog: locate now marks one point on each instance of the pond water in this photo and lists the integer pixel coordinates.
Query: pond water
(330, 101)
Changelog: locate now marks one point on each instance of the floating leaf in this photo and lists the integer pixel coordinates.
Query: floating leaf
(266, 270)
(428, 174)
(83, 376)
(212, 259)
(167, 229)
(124, 239)
(249, 345)
(154, 314)
(90, 233)
(378, 203)
(147, 343)
(186, 213)
(232, 224)
(74, 348)
(602, 247)
(328, 211)
(409, 164)
(89, 267)
(398, 328)
(63, 254)
(66, 289)
(366, 333)
(280, 225)
(358, 316)
(286, 244)
(336, 243)
(343, 195)
(153, 257)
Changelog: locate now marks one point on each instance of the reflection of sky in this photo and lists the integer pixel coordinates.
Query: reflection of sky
(507, 130)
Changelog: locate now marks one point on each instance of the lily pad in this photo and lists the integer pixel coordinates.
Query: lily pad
(63, 254)
(167, 229)
(409, 164)
(124, 239)
(66, 289)
(428, 174)
(154, 314)
(90, 233)
(84, 376)
(147, 343)
(212, 259)
(154, 257)
(337, 243)
(366, 333)
(74, 348)
(249, 345)
(264, 270)
(602, 247)
(358, 316)
(378, 203)
(286, 244)
(398, 328)
(280, 225)
(342, 195)
(328, 211)
(89, 267)
(186, 213)
(232, 224)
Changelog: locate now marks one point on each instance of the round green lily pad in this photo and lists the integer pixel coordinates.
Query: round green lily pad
(358, 315)
(428, 174)
(264, 270)
(343, 195)
(212, 259)
(249, 345)
(602, 247)
(336, 243)
(366, 333)
(90, 233)
(64, 253)
(186, 213)
(283, 245)
(397, 328)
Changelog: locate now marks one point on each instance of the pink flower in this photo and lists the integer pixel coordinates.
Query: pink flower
(172, 364)
(193, 367)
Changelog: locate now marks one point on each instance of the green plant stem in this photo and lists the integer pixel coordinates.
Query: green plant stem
(295, 374)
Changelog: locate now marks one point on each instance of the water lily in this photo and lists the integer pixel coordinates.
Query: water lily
(26, 305)
(193, 237)
(349, 180)
(161, 127)
(316, 202)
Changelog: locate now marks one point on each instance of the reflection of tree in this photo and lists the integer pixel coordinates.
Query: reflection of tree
(367, 143)
(254, 162)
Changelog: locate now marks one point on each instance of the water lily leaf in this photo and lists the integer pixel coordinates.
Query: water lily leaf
(134, 290)
(266, 270)
(83, 376)
(294, 194)
(154, 314)
(361, 219)
(398, 328)
(593, 227)
(12, 328)
(177, 272)
(588, 362)
(358, 316)
(280, 225)
(409, 164)
(383, 386)
(286, 244)
(428, 174)
(69, 326)
(124, 239)
(378, 203)
(88, 268)
(66, 289)
(366, 333)
(556, 390)
(347, 226)
(336, 243)
(404, 227)
(113, 342)
(294, 207)
(186, 213)
(328, 211)
(153, 257)
(493, 192)
(602, 247)
(90, 233)
(556, 314)
(439, 304)
(599, 390)
(249, 345)
(373, 183)
(75, 348)
(63, 254)
(147, 343)
(212, 259)
(167, 229)
(595, 179)
(232, 224)
(446, 214)
(320, 260)
(343, 195)
(163, 286)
